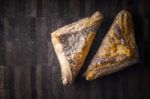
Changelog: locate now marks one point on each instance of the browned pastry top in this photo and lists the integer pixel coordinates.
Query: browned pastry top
(72, 43)
(117, 47)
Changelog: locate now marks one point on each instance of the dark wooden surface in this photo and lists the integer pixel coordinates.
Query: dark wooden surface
(29, 68)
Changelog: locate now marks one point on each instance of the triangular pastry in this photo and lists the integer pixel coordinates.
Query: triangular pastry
(72, 43)
(118, 48)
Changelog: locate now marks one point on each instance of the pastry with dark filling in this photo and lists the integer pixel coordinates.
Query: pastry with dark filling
(118, 48)
(72, 43)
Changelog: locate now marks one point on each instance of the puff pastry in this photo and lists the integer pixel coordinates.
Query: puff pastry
(118, 48)
(71, 44)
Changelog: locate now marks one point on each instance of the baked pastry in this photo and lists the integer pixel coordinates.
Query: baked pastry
(71, 44)
(118, 48)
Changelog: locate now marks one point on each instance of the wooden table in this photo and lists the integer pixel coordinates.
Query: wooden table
(29, 68)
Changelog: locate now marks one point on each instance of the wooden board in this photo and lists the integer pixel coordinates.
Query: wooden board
(29, 68)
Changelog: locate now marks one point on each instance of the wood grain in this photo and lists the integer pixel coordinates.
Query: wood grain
(29, 68)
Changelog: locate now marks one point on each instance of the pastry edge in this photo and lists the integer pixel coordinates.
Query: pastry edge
(63, 63)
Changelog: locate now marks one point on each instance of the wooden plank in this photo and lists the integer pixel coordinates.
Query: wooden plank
(8, 94)
(39, 81)
(33, 63)
(2, 44)
(146, 83)
(44, 69)
(33, 8)
(87, 7)
(8, 69)
(48, 8)
(1, 77)
(17, 83)
(24, 58)
(39, 7)
(2, 8)
(20, 8)
(9, 8)
(120, 85)
(9, 38)
(2, 57)
(1, 93)
(73, 14)
(22, 82)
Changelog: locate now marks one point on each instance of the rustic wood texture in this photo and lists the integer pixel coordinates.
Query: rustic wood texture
(29, 68)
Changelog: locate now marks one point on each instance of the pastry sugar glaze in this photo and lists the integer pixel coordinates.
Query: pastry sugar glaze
(118, 49)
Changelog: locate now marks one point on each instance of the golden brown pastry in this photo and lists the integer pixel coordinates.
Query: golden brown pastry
(71, 44)
(118, 49)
